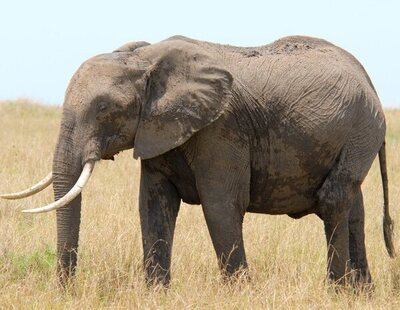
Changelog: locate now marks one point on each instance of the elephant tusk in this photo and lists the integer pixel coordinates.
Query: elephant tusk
(71, 195)
(32, 190)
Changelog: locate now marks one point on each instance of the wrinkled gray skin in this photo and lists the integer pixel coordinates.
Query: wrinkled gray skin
(287, 128)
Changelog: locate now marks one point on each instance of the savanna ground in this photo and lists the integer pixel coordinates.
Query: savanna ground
(287, 257)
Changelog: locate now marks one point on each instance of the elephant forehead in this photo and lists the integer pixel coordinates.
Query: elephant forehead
(90, 80)
(100, 69)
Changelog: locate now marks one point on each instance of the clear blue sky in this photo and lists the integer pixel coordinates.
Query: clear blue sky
(43, 42)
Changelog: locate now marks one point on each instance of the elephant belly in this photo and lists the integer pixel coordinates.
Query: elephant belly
(284, 197)
(286, 175)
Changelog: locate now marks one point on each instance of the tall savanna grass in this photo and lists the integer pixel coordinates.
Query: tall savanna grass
(287, 257)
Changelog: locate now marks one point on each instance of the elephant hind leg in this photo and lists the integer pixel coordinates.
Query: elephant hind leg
(335, 200)
(341, 208)
(335, 215)
(344, 229)
(358, 258)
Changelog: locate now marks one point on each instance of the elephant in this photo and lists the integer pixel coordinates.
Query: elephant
(291, 127)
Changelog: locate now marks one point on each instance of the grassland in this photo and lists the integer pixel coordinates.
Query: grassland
(286, 256)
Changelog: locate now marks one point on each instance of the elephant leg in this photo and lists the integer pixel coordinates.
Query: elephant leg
(337, 237)
(222, 173)
(225, 226)
(224, 193)
(358, 257)
(336, 198)
(158, 205)
(341, 208)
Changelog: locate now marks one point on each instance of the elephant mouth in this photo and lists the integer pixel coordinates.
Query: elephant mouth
(109, 150)
(109, 157)
(113, 145)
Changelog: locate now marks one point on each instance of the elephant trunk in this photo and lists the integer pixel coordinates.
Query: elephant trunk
(67, 167)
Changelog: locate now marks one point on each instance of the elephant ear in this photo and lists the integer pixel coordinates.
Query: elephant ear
(186, 90)
(131, 46)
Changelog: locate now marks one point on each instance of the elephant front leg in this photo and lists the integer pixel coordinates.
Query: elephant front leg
(224, 188)
(158, 205)
(225, 226)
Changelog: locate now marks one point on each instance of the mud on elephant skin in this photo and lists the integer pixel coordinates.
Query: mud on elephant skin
(291, 127)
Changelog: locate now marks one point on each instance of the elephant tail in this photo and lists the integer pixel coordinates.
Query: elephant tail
(387, 221)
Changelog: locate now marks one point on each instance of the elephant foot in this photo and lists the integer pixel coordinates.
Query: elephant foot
(240, 275)
(158, 283)
(65, 278)
(338, 280)
(361, 282)
(354, 282)
(157, 277)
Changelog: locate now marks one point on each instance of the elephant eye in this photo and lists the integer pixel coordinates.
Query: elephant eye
(102, 106)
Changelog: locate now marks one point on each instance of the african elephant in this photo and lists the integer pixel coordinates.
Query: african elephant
(291, 127)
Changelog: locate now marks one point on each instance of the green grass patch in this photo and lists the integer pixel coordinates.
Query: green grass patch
(40, 261)
(392, 136)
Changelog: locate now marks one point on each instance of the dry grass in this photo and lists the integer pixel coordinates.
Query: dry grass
(286, 257)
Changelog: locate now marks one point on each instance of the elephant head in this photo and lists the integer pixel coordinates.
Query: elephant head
(151, 98)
